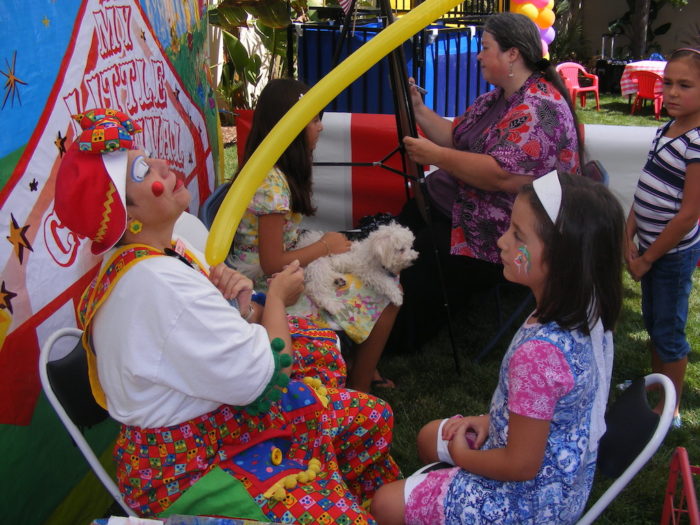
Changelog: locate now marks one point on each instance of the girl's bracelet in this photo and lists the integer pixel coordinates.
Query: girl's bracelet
(328, 249)
(250, 313)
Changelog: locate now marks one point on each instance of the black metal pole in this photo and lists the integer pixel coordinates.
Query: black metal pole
(406, 126)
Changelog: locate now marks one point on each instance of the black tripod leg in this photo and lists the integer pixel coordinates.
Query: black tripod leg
(406, 125)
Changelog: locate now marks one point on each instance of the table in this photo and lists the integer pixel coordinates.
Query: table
(628, 86)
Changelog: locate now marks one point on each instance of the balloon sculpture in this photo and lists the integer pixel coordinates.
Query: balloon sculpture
(541, 12)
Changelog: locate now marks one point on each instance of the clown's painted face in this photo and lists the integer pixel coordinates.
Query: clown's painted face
(154, 191)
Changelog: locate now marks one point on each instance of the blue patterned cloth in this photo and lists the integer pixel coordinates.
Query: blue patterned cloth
(559, 491)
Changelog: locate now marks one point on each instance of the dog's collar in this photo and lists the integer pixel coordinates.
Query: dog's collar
(388, 272)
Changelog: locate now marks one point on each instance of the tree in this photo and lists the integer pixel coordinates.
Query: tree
(248, 64)
(637, 24)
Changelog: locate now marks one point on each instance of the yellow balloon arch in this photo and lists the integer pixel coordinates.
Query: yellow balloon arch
(296, 119)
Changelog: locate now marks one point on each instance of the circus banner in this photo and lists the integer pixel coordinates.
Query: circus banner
(147, 58)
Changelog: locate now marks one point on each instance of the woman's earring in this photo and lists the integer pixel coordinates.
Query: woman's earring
(135, 226)
(510, 70)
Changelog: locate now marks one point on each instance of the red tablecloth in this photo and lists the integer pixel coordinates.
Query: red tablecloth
(628, 86)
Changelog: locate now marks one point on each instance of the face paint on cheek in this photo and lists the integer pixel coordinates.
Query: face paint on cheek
(157, 188)
(522, 260)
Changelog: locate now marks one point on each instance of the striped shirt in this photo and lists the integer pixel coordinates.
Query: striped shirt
(660, 188)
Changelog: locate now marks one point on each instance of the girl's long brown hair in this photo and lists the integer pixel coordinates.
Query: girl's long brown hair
(278, 96)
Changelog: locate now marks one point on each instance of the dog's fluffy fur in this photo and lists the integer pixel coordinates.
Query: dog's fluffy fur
(376, 259)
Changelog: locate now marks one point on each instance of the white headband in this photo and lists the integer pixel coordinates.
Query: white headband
(548, 190)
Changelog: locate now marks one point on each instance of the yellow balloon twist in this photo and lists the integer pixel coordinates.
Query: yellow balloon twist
(265, 156)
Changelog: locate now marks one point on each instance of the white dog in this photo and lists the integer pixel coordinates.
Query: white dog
(377, 259)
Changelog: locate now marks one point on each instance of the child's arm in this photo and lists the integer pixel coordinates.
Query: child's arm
(681, 224)
(273, 256)
(631, 251)
(519, 460)
(285, 288)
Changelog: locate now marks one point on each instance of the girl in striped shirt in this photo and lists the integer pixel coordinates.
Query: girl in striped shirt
(664, 218)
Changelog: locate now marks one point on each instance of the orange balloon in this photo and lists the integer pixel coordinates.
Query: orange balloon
(528, 10)
(545, 19)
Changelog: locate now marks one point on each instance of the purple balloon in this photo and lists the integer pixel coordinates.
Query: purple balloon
(548, 34)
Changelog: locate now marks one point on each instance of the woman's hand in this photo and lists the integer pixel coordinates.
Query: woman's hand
(422, 150)
(232, 285)
(336, 242)
(287, 284)
(457, 427)
(416, 98)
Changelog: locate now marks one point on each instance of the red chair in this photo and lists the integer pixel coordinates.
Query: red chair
(681, 501)
(646, 90)
(570, 72)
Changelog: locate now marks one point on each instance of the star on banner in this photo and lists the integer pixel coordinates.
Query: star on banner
(12, 83)
(60, 144)
(18, 238)
(6, 298)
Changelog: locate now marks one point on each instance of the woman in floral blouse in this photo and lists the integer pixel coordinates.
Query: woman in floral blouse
(521, 130)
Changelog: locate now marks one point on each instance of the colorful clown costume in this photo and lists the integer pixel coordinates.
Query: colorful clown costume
(193, 385)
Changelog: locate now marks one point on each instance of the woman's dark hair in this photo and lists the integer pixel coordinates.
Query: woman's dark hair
(276, 98)
(583, 252)
(686, 52)
(518, 31)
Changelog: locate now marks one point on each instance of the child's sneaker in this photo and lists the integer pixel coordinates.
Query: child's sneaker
(624, 385)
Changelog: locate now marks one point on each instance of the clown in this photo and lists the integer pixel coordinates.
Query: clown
(211, 423)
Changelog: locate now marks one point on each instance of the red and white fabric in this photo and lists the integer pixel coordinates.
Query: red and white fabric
(346, 5)
(628, 86)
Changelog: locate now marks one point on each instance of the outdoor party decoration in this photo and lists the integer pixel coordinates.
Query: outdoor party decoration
(263, 159)
(541, 12)
(147, 58)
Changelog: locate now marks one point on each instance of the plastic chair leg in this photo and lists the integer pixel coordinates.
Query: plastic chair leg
(504, 326)
(687, 500)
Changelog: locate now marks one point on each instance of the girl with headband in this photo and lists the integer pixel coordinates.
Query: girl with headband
(565, 243)
(664, 218)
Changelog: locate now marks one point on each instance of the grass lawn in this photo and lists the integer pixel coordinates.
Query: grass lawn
(615, 110)
(429, 386)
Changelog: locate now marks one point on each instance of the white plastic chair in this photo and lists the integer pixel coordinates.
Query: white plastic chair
(66, 384)
(620, 436)
(193, 230)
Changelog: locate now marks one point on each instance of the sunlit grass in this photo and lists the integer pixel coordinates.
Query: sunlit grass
(615, 111)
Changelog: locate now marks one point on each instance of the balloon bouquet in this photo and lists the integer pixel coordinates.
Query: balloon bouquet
(542, 14)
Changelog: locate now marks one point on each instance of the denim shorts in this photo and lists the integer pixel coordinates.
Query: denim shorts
(665, 294)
